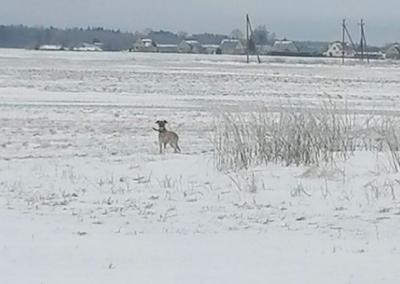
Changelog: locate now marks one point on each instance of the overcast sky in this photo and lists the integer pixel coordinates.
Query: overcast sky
(294, 19)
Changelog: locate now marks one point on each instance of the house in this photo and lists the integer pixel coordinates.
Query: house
(167, 48)
(144, 45)
(264, 49)
(88, 47)
(393, 52)
(50, 47)
(232, 46)
(190, 46)
(370, 55)
(335, 49)
(212, 48)
(284, 46)
(311, 48)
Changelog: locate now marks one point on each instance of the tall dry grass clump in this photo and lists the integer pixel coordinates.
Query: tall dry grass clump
(299, 137)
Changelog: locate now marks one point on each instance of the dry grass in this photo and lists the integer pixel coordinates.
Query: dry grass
(293, 137)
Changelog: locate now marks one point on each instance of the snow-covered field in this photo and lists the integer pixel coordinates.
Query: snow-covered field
(85, 197)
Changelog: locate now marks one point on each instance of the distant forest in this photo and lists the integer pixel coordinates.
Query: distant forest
(33, 37)
(20, 36)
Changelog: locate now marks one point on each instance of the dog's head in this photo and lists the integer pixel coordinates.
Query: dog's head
(161, 123)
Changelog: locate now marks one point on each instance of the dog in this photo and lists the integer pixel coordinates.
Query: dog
(166, 137)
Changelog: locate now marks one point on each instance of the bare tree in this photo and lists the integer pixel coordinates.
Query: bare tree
(147, 31)
(237, 34)
(182, 35)
(261, 35)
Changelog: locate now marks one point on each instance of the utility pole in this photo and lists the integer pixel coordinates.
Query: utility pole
(250, 39)
(343, 39)
(363, 42)
(345, 32)
(362, 39)
(247, 38)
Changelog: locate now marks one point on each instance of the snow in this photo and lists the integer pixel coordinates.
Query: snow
(51, 254)
(86, 198)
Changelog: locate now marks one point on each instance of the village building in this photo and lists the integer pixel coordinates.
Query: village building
(335, 49)
(284, 46)
(88, 47)
(264, 49)
(393, 52)
(311, 48)
(145, 45)
(232, 46)
(51, 47)
(212, 49)
(167, 48)
(190, 46)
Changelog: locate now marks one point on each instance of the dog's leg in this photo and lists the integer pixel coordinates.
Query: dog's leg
(176, 147)
(160, 144)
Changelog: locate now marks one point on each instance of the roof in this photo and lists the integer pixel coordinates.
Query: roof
(339, 44)
(285, 46)
(394, 45)
(393, 49)
(230, 44)
(167, 45)
(193, 43)
(50, 47)
(283, 42)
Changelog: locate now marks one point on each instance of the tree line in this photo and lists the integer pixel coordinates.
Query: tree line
(20, 36)
(32, 37)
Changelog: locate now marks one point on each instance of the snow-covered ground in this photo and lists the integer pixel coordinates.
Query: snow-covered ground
(85, 197)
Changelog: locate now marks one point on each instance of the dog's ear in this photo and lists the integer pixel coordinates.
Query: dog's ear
(165, 121)
(157, 122)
